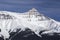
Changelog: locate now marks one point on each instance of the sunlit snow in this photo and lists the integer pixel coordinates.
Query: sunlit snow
(35, 21)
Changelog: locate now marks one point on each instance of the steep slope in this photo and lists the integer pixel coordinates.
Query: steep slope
(33, 20)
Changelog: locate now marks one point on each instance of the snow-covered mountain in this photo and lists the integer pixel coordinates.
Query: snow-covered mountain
(33, 20)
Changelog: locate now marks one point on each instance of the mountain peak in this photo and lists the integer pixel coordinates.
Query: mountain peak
(33, 11)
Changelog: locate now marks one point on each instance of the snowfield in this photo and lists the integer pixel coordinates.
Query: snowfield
(35, 21)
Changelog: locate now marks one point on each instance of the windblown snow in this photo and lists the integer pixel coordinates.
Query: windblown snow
(35, 21)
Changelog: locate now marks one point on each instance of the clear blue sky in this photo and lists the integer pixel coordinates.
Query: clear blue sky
(50, 8)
